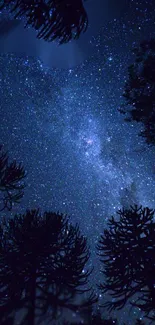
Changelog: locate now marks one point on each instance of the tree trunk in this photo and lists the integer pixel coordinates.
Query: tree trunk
(30, 317)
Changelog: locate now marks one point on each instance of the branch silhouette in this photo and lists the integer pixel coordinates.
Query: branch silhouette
(60, 20)
(42, 259)
(11, 181)
(127, 252)
(139, 90)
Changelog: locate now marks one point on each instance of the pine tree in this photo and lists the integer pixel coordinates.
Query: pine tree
(139, 90)
(127, 252)
(60, 20)
(42, 266)
(11, 181)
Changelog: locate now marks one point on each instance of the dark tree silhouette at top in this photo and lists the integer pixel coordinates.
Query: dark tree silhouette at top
(127, 251)
(60, 20)
(11, 182)
(139, 90)
(42, 266)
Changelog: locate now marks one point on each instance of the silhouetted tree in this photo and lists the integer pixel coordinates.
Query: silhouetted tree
(139, 90)
(127, 250)
(60, 20)
(42, 266)
(11, 182)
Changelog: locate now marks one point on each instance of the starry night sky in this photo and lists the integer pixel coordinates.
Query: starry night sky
(80, 156)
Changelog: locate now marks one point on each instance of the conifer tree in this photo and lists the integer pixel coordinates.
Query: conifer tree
(139, 90)
(11, 181)
(42, 266)
(127, 253)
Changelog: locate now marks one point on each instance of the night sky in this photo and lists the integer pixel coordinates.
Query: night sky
(61, 122)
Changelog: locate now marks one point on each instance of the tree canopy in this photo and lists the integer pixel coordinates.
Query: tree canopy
(11, 181)
(60, 20)
(139, 90)
(42, 266)
(127, 252)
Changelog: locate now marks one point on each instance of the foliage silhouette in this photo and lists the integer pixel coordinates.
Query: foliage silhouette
(42, 258)
(127, 250)
(11, 182)
(139, 90)
(60, 20)
(103, 322)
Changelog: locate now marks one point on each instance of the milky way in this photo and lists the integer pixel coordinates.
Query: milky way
(80, 156)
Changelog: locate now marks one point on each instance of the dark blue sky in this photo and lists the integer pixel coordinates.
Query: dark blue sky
(63, 123)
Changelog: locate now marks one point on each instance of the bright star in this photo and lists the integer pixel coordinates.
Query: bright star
(89, 141)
